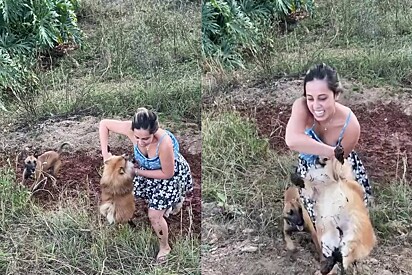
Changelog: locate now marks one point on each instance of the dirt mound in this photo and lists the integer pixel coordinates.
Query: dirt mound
(385, 144)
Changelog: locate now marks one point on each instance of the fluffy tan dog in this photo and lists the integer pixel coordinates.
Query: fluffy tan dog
(342, 221)
(117, 201)
(296, 218)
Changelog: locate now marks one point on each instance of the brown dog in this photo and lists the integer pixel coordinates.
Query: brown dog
(343, 224)
(117, 201)
(47, 162)
(296, 218)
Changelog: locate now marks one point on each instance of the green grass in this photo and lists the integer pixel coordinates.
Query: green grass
(134, 54)
(369, 41)
(239, 173)
(393, 210)
(72, 240)
(229, 149)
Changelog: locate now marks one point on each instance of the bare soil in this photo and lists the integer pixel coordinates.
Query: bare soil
(385, 147)
(82, 165)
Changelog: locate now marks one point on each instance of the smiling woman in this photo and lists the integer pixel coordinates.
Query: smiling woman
(163, 177)
(318, 123)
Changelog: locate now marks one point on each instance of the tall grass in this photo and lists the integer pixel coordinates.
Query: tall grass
(71, 239)
(240, 174)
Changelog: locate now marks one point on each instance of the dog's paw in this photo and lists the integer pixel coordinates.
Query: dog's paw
(327, 264)
(339, 153)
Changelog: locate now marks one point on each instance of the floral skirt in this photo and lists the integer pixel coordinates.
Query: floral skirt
(165, 193)
(360, 176)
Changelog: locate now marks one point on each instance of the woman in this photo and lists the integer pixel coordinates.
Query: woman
(163, 177)
(318, 123)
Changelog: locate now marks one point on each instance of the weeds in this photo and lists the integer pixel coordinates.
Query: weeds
(73, 239)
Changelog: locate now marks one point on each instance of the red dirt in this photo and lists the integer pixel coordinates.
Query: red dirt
(80, 172)
(386, 135)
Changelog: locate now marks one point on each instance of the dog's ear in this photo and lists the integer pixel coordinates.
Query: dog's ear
(36, 153)
(339, 152)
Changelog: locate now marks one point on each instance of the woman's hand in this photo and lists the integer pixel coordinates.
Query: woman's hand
(135, 172)
(106, 156)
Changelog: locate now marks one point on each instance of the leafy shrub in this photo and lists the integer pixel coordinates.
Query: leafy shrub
(28, 28)
(232, 28)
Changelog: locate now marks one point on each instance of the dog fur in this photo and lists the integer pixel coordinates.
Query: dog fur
(117, 199)
(296, 218)
(342, 221)
(36, 166)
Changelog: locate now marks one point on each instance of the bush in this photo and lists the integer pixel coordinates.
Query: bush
(28, 28)
(232, 28)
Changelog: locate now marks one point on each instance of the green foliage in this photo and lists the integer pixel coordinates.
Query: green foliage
(231, 29)
(28, 28)
(13, 199)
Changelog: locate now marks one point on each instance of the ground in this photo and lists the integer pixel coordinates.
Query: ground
(82, 163)
(385, 147)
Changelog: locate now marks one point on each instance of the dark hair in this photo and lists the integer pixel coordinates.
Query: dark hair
(323, 72)
(146, 120)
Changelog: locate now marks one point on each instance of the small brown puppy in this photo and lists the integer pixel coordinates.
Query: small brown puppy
(296, 218)
(117, 201)
(36, 166)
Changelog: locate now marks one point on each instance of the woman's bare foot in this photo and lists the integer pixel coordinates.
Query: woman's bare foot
(162, 255)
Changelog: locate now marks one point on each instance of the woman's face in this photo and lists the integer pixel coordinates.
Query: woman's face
(320, 100)
(143, 137)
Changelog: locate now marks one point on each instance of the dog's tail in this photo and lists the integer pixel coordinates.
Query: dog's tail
(62, 146)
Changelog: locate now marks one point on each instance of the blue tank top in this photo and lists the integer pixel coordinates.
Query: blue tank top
(311, 159)
(154, 163)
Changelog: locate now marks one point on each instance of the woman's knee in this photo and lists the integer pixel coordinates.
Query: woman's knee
(155, 215)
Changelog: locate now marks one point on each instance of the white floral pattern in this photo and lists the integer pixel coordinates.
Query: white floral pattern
(163, 194)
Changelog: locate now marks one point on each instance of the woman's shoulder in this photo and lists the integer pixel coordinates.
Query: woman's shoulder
(350, 122)
(349, 115)
(299, 102)
(301, 112)
(164, 137)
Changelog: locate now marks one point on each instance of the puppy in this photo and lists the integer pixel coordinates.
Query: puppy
(296, 218)
(342, 221)
(47, 162)
(30, 164)
(117, 200)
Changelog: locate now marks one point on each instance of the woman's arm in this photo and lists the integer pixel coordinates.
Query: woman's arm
(295, 136)
(167, 162)
(116, 126)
